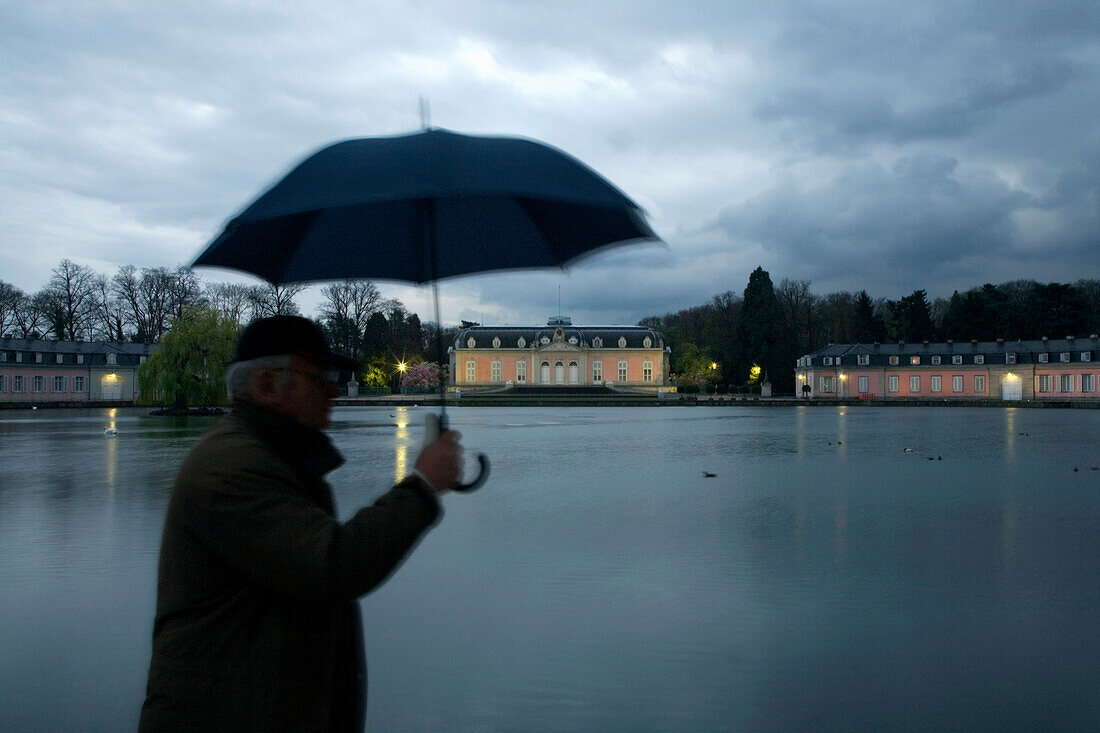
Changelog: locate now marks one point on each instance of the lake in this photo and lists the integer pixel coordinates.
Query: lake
(848, 568)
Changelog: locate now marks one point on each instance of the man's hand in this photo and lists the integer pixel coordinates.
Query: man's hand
(440, 462)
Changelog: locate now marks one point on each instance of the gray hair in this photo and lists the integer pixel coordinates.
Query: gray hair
(238, 377)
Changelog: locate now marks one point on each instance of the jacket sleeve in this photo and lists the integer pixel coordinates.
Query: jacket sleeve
(252, 516)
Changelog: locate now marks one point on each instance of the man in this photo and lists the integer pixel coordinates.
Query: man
(257, 624)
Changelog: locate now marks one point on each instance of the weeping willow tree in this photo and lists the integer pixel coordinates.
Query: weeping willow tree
(188, 365)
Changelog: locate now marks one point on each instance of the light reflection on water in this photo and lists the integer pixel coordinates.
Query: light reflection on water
(824, 577)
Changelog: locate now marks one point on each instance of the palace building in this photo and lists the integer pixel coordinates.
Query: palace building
(559, 354)
(1054, 369)
(36, 370)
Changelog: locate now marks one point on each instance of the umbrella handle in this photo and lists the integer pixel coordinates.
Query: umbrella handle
(432, 425)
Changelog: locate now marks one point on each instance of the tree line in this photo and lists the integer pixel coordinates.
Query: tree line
(143, 305)
(738, 339)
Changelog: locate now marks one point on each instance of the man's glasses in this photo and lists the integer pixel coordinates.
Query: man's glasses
(321, 379)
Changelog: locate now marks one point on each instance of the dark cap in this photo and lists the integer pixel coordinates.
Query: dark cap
(280, 335)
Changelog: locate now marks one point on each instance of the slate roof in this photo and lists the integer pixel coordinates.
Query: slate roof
(994, 352)
(585, 336)
(95, 352)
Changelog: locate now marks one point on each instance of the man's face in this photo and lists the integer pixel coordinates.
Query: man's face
(307, 395)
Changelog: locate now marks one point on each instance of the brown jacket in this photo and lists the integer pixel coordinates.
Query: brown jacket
(257, 624)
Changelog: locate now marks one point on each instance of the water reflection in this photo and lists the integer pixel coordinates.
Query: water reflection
(401, 441)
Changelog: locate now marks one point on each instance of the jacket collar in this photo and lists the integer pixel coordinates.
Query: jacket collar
(308, 450)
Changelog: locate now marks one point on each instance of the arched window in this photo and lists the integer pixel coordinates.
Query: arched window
(597, 371)
(544, 373)
(647, 371)
(521, 370)
(574, 373)
(494, 371)
(622, 370)
(471, 370)
(559, 373)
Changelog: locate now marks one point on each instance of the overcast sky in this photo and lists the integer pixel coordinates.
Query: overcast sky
(885, 146)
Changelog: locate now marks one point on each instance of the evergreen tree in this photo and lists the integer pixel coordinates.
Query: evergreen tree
(762, 335)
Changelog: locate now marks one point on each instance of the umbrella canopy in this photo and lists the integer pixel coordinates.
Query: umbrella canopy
(424, 207)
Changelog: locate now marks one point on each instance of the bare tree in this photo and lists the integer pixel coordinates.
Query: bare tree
(71, 300)
(347, 307)
(800, 312)
(274, 300)
(232, 299)
(11, 298)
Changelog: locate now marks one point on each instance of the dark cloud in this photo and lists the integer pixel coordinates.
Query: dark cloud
(880, 146)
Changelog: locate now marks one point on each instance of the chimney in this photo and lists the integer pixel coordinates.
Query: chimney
(950, 341)
(973, 342)
(1000, 341)
(1044, 338)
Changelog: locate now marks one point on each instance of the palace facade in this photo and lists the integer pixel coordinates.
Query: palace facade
(1054, 369)
(559, 354)
(36, 371)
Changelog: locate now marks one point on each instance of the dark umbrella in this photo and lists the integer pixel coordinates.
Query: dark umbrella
(423, 207)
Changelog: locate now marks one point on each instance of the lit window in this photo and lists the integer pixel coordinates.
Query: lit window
(863, 385)
(521, 370)
(828, 384)
(957, 359)
(937, 384)
(597, 371)
(622, 370)
(936, 360)
(494, 371)
(979, 358)
(893, 361)
(892, 383)
(647, 371)
(957, 383)
(914, 360)
(914, 385)
(1065, 382)
(979, 383)
(1045, 382)
(471, 371)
